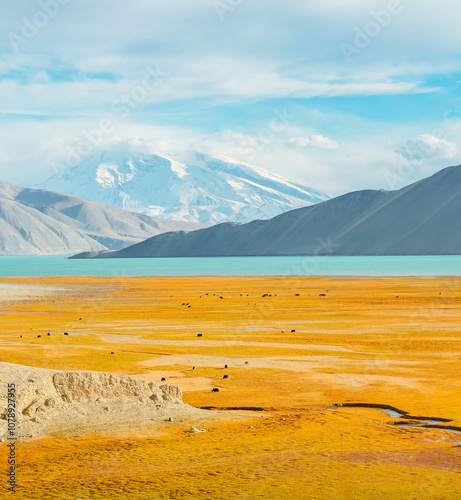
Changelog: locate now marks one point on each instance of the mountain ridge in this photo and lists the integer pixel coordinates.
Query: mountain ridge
(419, 219)
(44, 222)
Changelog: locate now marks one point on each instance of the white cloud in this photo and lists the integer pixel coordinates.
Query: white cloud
(287, 52)
(32, 151)
(230, 74)
(314, 141)
(427, 147)
(226, 142)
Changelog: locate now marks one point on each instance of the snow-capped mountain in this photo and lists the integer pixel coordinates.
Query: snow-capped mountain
(172, 182)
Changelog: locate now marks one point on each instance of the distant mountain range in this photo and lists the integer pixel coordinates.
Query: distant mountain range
(43, 222)
(169, 181)
(423, 218)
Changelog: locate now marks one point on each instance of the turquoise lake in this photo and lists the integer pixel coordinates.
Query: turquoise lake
(440, 265)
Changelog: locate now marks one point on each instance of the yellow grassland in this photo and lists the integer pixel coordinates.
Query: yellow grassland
(393, 341)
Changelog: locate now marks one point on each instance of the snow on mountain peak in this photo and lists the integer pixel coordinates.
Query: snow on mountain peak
(171, 181)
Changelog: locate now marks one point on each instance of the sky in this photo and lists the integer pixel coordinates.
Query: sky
(338, 95)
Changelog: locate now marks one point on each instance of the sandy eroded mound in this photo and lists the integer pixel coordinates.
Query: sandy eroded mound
(50, 401)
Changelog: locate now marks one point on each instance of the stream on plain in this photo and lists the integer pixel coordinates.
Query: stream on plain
(413, 421)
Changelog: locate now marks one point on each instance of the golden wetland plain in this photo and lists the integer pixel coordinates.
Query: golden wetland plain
(296, 348)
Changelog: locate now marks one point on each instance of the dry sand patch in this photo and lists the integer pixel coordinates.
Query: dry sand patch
(12, 292)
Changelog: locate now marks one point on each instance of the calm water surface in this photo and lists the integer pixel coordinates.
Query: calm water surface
(440, 265)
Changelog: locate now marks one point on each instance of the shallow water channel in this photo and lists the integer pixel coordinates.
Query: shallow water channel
(412, 421)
